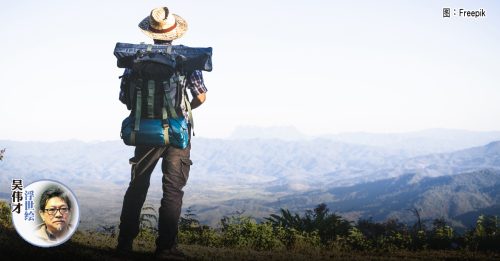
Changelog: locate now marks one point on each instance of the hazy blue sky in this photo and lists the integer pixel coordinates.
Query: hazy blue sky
(321, 66)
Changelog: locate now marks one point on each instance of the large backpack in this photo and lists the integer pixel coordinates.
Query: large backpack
(154, 89)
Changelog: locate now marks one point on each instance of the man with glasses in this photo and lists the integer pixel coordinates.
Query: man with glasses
(55, 211)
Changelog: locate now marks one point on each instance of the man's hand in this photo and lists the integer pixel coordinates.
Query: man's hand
(198, 100)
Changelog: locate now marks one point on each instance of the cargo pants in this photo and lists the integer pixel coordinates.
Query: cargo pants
(175, 166)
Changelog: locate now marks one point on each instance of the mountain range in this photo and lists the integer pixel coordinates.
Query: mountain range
(379, 179)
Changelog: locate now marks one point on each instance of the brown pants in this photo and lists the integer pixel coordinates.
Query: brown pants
(175, 167)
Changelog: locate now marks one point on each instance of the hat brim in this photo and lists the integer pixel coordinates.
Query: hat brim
(178, 32)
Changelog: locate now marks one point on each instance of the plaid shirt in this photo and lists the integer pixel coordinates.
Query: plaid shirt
(195, 84)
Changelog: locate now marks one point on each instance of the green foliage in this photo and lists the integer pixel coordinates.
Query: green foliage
(327, 225)
(191, 232)
(146, 235)
(244, 232)
(109, 230)
(241, 236)
(419, 240)
(189, 221)
(486, 234)
(148, 221)
(298, 241)
(318, 229)
(287, 220)
(370, 229)
(388, 236)
(204, 236)
(5, 215)
(356, 240)
(487, 226)
(442, 235)
(395, 240)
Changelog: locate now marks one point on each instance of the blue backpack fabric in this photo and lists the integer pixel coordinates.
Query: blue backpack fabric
(153, 133)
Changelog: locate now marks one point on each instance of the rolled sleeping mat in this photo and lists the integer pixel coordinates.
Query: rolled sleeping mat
(189, 58)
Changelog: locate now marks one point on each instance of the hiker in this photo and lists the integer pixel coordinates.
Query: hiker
(163, 27)
(55, 211)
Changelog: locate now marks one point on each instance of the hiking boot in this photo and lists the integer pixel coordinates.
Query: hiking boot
(170, 254)
(123, 248)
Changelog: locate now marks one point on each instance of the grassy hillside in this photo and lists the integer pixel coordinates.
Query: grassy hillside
(89, 245)
(93, 246)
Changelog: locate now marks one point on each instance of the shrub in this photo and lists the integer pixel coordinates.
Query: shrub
(442, 235)
(5, 215)
(202, 235)
(244, 232)
(356, 240)
(486, 234)
(328, 226)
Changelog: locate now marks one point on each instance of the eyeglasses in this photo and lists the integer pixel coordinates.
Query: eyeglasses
(53, 211)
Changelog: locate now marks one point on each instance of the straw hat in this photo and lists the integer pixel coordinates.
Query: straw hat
(162, 25)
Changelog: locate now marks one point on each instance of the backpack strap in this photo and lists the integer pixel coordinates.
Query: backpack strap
(138, 105)
(180, 81)
(164, 117)
(187, 104)
(151, 98)
(188, 107)
(166, 85)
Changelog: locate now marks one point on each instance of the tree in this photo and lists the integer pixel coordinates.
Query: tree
(328, 225)
(486, 234)
(286, 220)
(189, 221)
(487, 226)
(370, 229)
(418, 226)
(442, 235)
(5, 215)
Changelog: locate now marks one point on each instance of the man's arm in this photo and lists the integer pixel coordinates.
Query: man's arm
(198, 100)
(198, 89)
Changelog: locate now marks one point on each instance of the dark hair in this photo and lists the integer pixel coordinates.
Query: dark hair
(51, 193)
(164, 42)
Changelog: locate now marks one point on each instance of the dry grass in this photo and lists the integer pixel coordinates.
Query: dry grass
(95, 246)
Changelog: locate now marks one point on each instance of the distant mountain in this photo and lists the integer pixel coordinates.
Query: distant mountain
(74, 162)
(460, 199)
(451, 197)
(442, 164)
(415, 143)
(258, 175)
(283, 166)
(288, 133)
(421, 142)
(454, 185)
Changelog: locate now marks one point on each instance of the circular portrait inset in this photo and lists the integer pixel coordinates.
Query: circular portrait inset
(49, 215)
